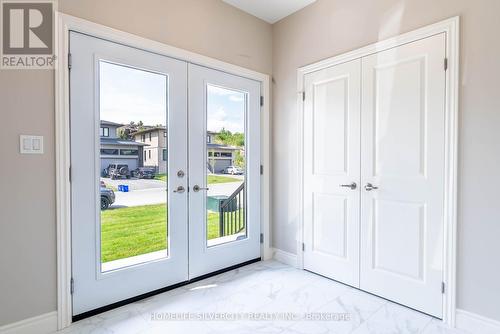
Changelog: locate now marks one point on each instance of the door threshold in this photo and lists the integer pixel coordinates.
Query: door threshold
(124, 302)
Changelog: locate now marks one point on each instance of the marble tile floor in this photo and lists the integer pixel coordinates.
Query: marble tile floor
(270, 297)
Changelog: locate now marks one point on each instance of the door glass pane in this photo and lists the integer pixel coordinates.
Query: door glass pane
(226, 168)
(133, 166)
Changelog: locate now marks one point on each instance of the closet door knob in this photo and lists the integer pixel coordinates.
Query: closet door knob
(370, 187)
(352, 185)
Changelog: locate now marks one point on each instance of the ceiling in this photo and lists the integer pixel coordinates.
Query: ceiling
(270, 10)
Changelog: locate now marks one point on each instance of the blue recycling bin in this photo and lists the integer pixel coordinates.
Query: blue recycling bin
(123, 188)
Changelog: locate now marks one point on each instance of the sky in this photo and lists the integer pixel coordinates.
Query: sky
(128, 94)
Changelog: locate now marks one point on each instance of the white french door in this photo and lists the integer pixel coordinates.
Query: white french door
(111, 86)
(331, 172)
(145, 213)
(378, 123)
(224, 218)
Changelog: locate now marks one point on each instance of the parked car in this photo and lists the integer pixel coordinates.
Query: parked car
(144, 172)
(233, 170)
(115, 171)
(107, 197)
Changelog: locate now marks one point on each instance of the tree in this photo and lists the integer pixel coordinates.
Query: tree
(123, 133)
(226, 137)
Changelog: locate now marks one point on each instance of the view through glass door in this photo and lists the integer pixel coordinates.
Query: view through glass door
(133, 161)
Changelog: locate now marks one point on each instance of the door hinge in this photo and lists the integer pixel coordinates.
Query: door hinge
(443, 287)
(262, 101)
(72, 285)
(261, 169)
(303, 247)
(70, 62)
(303, 96)
(445, 64)
(262, 238)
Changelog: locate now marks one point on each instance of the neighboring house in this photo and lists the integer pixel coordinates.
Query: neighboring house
(117, 150)
(219, 156)
(155, 154)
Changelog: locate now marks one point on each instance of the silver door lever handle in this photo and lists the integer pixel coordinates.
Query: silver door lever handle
(370, 187)
(197, 188)
(352, 185)
(180, 190)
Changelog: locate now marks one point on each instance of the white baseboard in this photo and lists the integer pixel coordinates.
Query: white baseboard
(475, 323)
(41, 324)
(285, 257)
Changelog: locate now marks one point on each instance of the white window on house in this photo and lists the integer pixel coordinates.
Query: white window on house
(209, 140)
(150, 136)
(109, 151)
(104, 132)
(150, 152)
(164, 133)
(128, 152)
(164, 154)
(144, 154)
(143, 138)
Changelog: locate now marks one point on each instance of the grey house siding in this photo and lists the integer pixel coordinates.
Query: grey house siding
(112, 142)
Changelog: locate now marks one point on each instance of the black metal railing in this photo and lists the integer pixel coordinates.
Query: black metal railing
(232, 213)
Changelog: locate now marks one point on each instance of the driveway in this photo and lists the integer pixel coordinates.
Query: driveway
(135, 184)
(222, 188)
(140, 197)
(146, 192)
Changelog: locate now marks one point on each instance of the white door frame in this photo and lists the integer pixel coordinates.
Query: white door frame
(451, 28)
(65, 23)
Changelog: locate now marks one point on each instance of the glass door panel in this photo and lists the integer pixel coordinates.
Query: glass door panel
(133, 118)
(225, 173)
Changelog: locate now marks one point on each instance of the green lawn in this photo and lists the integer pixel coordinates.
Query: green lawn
(161, 177)
(212, 179)
(137, 230)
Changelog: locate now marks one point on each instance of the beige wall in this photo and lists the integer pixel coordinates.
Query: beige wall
(331, 27)
(209, 27)
(27, 183)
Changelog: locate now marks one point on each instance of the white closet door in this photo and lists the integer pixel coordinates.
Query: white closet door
(331, 165)
(403, 131)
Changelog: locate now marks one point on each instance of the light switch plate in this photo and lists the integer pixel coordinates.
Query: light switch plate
(30, 144)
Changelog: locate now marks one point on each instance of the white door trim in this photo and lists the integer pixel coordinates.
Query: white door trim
(451, 28)
(65, 23)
